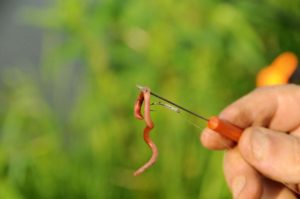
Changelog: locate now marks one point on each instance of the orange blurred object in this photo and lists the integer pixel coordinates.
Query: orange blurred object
(279, 72)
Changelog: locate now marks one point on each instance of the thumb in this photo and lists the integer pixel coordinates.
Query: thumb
(274, 154)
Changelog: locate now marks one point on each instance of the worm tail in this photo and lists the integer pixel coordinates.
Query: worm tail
(154, 150)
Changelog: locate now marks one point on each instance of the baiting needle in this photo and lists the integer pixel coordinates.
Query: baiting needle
(214, 123)
(176, 105)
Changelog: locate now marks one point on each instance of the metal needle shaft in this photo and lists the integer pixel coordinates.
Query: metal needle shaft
(176, 105)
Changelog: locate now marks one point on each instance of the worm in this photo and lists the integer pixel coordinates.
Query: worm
(138, 105)
(145, 97)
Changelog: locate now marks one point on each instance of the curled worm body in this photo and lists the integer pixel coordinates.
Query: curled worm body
(144, 96)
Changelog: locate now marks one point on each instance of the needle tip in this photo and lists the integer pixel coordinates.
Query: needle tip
(143, 88)
(140, 87)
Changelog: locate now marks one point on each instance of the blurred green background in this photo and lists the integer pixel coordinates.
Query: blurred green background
(67, 125)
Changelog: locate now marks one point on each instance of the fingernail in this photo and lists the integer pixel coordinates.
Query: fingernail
(260, 142)
(238, 185)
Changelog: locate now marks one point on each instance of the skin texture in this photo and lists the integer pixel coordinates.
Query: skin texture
(145, 96)
(266, 161)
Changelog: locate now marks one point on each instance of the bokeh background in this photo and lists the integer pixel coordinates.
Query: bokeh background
(68, 70)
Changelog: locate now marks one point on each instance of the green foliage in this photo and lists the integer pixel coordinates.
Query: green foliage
(69, 131)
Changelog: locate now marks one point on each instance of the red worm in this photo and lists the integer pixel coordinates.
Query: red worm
(138, 105)
(148, 128)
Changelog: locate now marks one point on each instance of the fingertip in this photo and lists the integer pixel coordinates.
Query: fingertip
(244, 142)
(212, 140)
(205, 139)
(254, 144)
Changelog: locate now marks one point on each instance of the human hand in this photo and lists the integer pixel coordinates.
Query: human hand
(266, 161)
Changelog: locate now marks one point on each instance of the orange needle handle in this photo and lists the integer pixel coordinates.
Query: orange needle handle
(224, 128)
